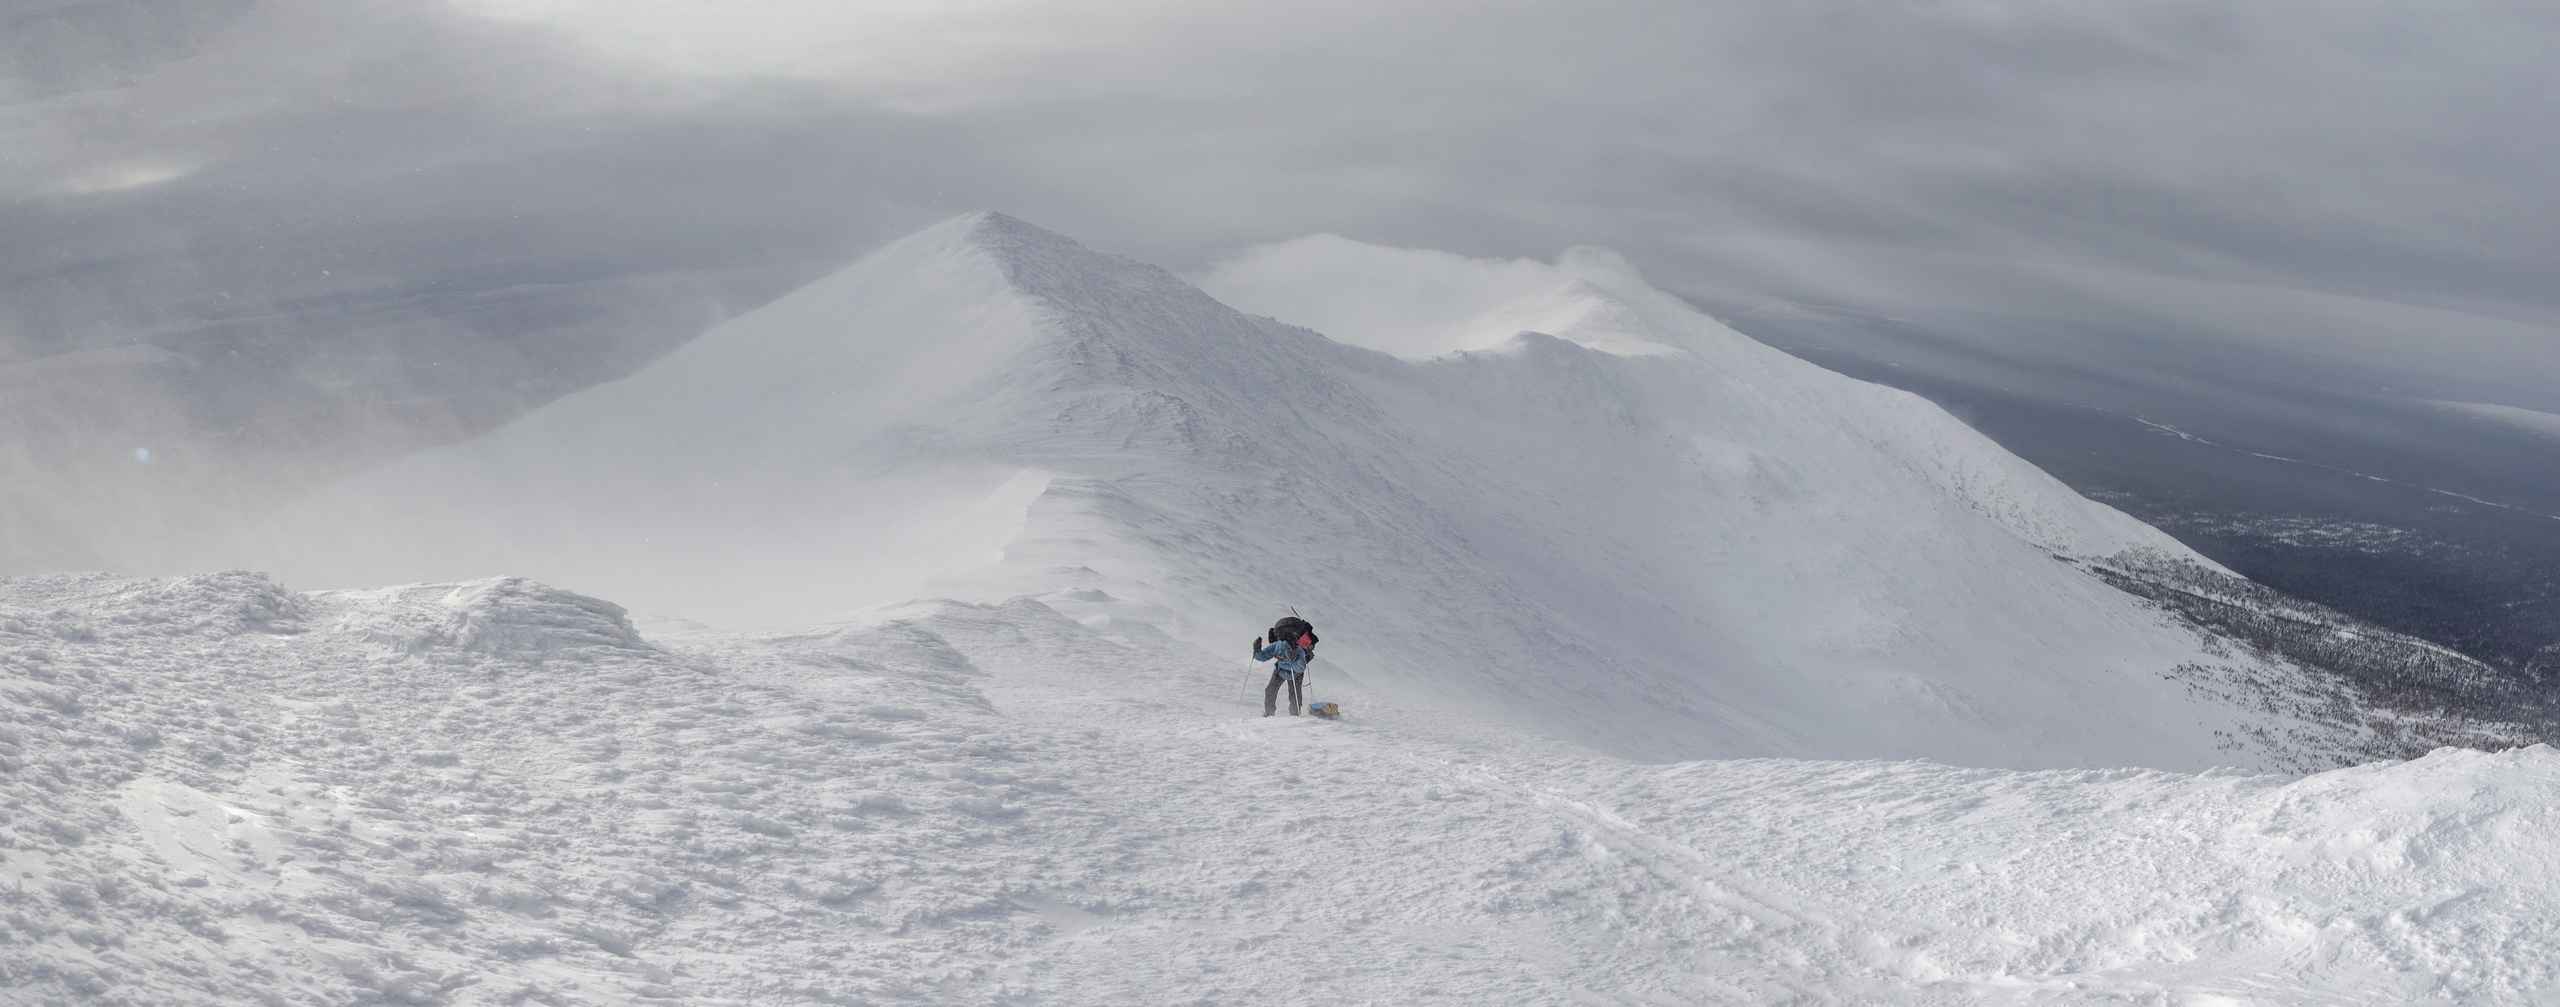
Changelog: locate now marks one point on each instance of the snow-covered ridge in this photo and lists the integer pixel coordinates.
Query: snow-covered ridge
(1436, 304)
(214, 790)
(1640, 531)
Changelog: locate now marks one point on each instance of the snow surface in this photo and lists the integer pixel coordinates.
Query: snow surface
(214, 790)
(1566, 501)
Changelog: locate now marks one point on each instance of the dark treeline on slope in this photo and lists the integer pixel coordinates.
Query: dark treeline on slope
(2413, 695)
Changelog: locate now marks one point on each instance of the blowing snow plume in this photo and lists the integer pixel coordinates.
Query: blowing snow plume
(1586, 507)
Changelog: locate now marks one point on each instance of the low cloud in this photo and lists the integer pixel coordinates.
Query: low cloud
(123, 176)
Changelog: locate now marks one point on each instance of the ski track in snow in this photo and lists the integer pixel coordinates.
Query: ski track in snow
(213, 790)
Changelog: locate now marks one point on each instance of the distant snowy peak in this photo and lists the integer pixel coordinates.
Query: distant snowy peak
(1578, 312)
(982, 309)
(974, 327)
(1125, 321)
(1422, 305)
(1544, 493)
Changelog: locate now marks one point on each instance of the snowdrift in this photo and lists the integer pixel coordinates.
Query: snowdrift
(1576, 504)
(214, 790)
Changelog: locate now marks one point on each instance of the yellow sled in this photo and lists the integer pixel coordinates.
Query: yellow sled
(1326, 710)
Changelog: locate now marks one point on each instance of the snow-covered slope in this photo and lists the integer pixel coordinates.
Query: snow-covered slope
(1603, 514)
(216, 791)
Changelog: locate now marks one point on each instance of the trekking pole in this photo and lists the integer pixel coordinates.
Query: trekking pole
(1302, 669)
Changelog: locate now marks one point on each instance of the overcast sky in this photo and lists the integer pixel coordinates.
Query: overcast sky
(2387, 149)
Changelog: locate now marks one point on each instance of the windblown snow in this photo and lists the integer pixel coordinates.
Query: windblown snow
(218, 791)
(947, 564)
(1573, 503)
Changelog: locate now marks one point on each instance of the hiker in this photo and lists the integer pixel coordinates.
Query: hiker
(1293, 644)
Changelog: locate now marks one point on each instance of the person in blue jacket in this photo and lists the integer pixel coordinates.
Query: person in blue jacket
(1293, 644)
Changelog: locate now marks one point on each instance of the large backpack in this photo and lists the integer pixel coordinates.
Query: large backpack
(1291, 628)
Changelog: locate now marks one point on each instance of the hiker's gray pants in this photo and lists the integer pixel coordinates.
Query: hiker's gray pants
(1271, 693)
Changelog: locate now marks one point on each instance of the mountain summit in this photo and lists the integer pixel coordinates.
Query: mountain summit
(1585, 507)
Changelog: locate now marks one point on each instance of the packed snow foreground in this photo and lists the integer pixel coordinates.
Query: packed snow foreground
(1617, 600)
(218, 791)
